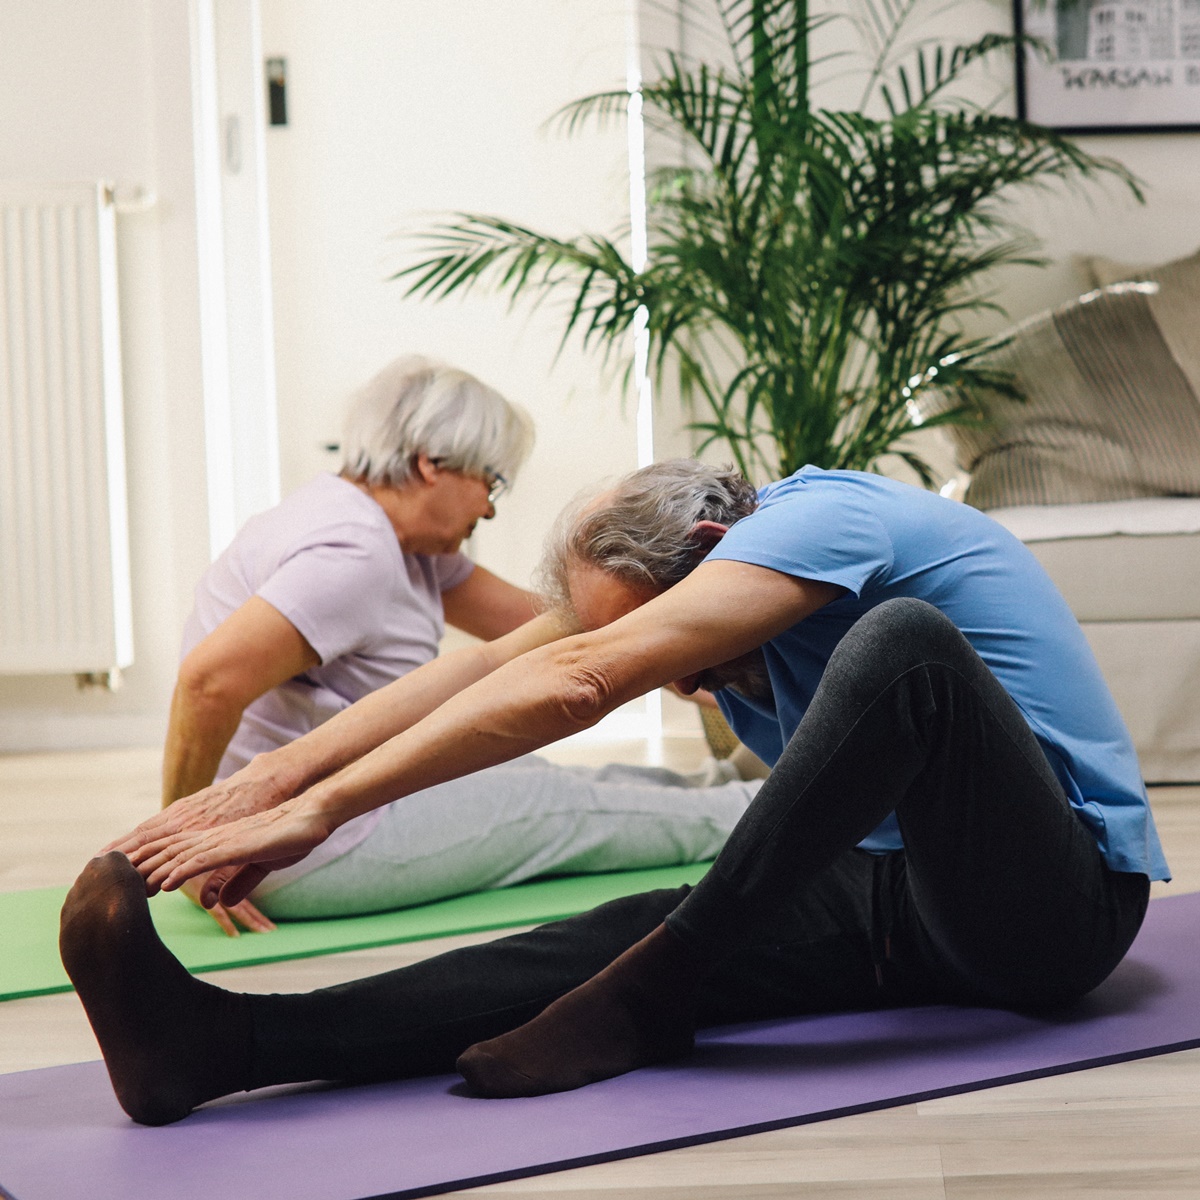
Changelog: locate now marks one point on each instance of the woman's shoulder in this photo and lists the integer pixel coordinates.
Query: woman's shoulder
(327, 508)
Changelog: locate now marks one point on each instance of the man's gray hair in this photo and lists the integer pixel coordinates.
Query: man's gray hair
(417, 406)
(641, 530)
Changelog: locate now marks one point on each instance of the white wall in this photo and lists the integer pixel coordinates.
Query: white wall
(1101, 219)
(1069, 224)
(102, 91)
(400, 112)
(1082, 220)
(1108, 221)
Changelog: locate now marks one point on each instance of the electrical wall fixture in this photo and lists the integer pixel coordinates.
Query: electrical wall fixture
(277, 91)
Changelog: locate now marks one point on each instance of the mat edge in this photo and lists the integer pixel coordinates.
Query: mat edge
(680, 1143)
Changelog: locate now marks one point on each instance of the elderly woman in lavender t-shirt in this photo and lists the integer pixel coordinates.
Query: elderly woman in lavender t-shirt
(346, 586)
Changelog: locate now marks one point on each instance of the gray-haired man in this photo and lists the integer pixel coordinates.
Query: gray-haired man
(955, 811)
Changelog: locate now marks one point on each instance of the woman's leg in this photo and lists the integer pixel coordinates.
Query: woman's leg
(512, 823)
(907, 719)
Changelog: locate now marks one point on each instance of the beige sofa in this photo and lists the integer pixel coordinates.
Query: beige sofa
(1098, 470)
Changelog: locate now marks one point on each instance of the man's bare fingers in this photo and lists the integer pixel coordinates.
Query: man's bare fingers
(180, 864)
(127, 841)
(145, 842)
(144, 856)
(152, 830)
(155, 855)
(226, 919)
(242, 883)
(124, 844)
(154, 868)
(210, 892)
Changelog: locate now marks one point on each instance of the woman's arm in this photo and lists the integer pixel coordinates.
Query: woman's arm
(253, 650)
(486, 606)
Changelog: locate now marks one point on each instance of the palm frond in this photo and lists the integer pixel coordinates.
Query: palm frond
(491, 251)
(808, 268)
(933, 69)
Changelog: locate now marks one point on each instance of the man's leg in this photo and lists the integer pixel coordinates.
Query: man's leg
(907, 718)
(509, 824)
(1005, 887)
(169, 1041)
(172, 1042)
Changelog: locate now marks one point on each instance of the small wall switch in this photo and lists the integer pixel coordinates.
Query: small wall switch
(277, 91)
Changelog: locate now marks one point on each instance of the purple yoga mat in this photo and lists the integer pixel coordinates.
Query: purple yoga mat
(62, 1136)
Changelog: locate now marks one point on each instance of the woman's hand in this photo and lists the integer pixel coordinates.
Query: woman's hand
(245, 914)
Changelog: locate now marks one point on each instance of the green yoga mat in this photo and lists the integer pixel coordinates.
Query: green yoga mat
(29, 964)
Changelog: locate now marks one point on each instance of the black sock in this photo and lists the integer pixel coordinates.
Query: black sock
(170, 1042)
(636, 1012)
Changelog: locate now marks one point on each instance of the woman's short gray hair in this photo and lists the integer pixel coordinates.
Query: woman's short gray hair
(641, 530)
(417, 406)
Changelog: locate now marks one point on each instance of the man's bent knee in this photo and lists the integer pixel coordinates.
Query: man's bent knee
(904, 631)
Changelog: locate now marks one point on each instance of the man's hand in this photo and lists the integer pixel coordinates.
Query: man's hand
(254, 846)
(244, 914)
(252, 790)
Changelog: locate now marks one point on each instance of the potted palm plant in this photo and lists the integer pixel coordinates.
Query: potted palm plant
(807, 267)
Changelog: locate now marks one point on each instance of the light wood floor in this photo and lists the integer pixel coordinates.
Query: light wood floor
(1127, 1131)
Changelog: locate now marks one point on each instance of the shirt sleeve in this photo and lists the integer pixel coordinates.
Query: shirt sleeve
(831, 535)
(450, 570)
(334, 592)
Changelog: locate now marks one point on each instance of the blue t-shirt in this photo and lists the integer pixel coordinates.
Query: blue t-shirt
(880, 540)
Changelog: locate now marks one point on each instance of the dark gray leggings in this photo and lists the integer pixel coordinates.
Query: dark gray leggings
(999, 897)
(1001, 889)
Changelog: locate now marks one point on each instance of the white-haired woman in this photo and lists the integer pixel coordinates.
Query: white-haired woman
(344, 587)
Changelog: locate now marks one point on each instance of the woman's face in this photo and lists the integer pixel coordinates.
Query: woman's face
(453, 502)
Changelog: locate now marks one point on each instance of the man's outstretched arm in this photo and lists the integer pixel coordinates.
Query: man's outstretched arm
(720, 612)
(275, 777)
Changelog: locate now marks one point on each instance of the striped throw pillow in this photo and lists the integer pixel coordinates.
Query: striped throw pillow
(1112, 399)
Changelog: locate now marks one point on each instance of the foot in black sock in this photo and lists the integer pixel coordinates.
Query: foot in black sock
(635, 1013)
(170, 1042)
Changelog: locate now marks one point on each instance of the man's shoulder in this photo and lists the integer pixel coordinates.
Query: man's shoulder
(895, 505)
(817, 495)
(811, 483)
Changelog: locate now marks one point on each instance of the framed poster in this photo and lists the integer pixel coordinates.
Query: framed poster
(1116, 66)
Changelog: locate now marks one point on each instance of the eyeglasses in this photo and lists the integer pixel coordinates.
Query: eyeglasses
(497, 485)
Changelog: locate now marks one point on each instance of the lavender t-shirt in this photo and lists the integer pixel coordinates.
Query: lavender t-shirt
(327, 558)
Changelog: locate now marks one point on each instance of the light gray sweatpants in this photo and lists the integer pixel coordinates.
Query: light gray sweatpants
(510, 823)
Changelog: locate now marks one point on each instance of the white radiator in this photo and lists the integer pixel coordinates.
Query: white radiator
(65, 603)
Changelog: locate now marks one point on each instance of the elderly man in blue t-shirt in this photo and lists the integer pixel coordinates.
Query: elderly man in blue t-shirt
(955, 812)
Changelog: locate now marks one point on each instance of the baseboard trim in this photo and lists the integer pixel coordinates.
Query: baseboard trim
(40, 734)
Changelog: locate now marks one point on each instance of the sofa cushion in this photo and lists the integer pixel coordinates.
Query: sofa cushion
(1110, 411)
(1153, 671)
(1176, 307)
(1129, 560)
